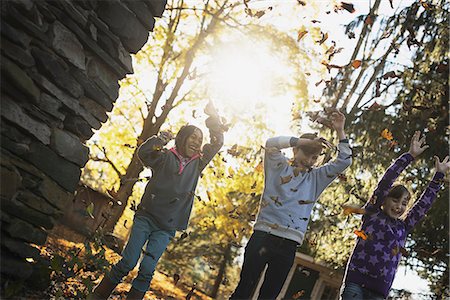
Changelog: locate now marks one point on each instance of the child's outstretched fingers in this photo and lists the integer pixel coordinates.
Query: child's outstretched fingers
(418, 144)
(442, 166)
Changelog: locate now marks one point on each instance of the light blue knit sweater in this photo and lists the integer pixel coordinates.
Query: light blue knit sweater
(285, 208)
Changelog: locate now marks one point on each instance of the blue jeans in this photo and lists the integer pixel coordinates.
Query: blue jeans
(353, 291)
(264, 248)
(143, 230)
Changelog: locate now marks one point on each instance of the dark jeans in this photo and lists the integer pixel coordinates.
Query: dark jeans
(353, 291)
(264, 248)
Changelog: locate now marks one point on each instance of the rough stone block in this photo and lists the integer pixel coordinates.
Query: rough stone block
(79, 127)
(60, 170)
(142, 12)
(14, 35)
(103, 77)
(96, 109)
(54, 194)
(67, 45)
(15, 267)
(16, 53)
(68, 101)
(124, 24)
(55, 69)
(24, 231)
(20, 79)
(37, 203)
(92, 90)
(14, 113)
(11, 181)
(21, 211)
(69, 147)
(19, 248)
(156, 6)
(51, 106)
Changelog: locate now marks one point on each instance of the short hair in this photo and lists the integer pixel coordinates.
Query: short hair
(183, 134)
(313, 149)
(397, 191)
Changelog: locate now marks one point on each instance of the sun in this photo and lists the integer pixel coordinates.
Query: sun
(244, 75)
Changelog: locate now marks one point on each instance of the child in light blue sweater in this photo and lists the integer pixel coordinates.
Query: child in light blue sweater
(290, 191)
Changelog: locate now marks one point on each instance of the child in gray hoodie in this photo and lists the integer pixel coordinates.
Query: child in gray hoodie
(290, 191)
(166, 204)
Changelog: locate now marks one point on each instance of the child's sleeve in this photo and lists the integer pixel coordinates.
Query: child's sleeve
(328, 172)
(387, 180)
(211, 149)
(151, 152)
(421, 207)
(273, 155)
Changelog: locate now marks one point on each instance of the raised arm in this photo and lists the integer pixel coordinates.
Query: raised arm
(151, 152)
(421, 207)
(211, 149)
(416, 148)
(328, 172)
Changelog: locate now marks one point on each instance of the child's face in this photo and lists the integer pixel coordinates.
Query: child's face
(193, 143)
(395, 207)
(306, 160)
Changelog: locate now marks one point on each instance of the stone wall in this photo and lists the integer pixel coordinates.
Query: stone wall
(60, 65)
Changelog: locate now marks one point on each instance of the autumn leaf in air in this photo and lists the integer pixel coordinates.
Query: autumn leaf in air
(298, 294)
(346, 6)
(90, 210)
(362, 234)
(285, 179)
(301, 34)
(356, 63)
(176, 278)
(324, 38)
(304, 202)
(387, 134)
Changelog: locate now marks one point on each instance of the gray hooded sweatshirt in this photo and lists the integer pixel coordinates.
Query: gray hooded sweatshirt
(169, 195)
(285, 208)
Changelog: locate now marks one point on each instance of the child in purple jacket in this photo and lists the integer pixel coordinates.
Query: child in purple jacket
(375, 258)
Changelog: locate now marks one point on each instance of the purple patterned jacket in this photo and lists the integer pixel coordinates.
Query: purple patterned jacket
(374, 261)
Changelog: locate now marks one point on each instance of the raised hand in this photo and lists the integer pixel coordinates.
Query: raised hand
(337, 120)
(442, 166)
(165, 136)
(418, 144)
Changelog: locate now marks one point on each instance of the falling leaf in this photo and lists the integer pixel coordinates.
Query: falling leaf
(285, 179)
(294, 190)
(351, 35)
(193, 114)
(275, 199)
(324, 38)
(302, 3)
(233, 151)
(347, 6)
(183, 236)
(348, 209)
(387, 134)
(315, 21)
(301, 34)
(298, 294)
(390, 74)
(90, 210)
(309, 74)
(176, 278)
(361, 234)
(342, 178)
(259, 167)
(369, 20)
(253, 185)
(191, 292)
(125, 224)
(356, 63)
(259, 14)
(392, 5)
(303, 202)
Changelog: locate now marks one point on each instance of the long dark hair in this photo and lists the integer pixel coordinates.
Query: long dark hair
(183, 134)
